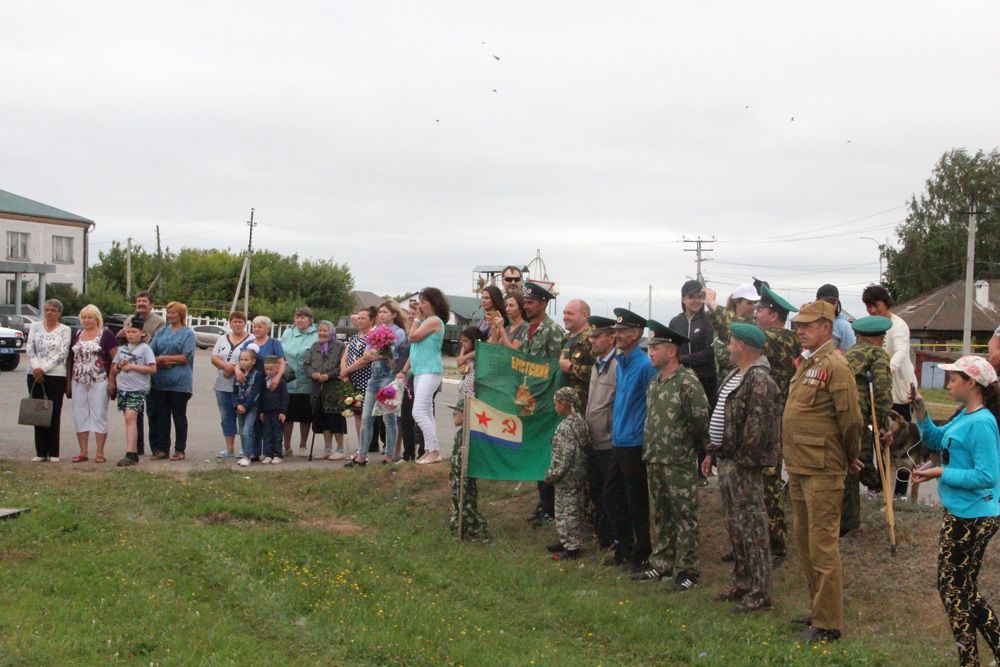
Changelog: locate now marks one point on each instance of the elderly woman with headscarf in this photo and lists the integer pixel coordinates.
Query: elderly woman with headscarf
(296, 342)
(322, 366)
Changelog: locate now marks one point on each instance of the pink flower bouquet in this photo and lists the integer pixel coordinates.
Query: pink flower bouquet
(381, 339)
(389, 399)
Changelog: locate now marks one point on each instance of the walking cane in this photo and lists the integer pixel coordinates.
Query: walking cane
(466, 413)
(884, 465)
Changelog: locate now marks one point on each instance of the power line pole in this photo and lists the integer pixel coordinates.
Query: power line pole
(246, 285)
(128, 270)
(970, 263)
(698, 249)
(649, 311)
(159, 262)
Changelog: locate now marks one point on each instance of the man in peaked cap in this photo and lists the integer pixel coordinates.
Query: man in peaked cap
(868, 356)
(543, 339)
(743, 443)
(781, 349)
(598, 414)
(674, 441)
(626, 493)
(843, 335)
(821, 439)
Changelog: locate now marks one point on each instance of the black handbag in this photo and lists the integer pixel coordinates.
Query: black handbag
(35, 411)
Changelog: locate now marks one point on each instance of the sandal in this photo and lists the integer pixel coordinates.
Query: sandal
(99, 459)
(79, 458)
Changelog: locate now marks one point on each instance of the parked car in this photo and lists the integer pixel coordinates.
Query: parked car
(12, 343)
(73, 322)
(18, 322)
(206, 335)
(115, 322)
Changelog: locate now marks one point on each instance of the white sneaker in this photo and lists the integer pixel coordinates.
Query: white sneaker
(266, 460)
(53, 459)
(303, 451)
(336, 456)
(244, 462)
(276, 460)
(40, 459)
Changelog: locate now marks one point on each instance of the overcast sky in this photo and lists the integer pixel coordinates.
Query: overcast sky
(415, 140)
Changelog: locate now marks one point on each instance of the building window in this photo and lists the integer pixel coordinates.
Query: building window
(17, 245)
(62, 249)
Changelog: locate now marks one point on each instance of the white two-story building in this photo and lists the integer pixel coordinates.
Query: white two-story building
(42, 245)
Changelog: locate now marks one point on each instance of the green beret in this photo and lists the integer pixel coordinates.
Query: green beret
(874, 325)
(536, 291)
(772, 299)
(664, 334)
(626, 319)
(748, 333)
(599, 322)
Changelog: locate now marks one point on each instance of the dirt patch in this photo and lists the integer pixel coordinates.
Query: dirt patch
(14, 555)
(217, 517)
(336, 526)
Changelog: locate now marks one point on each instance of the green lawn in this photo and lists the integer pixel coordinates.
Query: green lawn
(316, 568)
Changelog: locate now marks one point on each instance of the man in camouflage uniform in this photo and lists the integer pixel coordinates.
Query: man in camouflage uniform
(743, 442)
(575, 358)
(473, 524)
(868, 356)
(781, 349)
(674, 441)
(544, 339)
(741, 303)
(568, 474)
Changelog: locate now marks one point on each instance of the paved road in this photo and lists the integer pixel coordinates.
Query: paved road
(204, 437)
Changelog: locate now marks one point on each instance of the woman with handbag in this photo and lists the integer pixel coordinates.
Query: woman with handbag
(91, 385)
(296, 342)
(47, 350)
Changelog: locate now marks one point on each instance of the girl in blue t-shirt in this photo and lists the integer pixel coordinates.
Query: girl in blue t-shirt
(969, 486)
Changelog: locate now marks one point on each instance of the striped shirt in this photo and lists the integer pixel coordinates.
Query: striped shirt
(717, 426)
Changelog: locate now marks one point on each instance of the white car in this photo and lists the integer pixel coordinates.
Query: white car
(205, 335)
(12, 343)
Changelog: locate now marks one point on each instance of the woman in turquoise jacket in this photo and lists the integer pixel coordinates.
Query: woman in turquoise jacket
(296, 342)
(969, 486)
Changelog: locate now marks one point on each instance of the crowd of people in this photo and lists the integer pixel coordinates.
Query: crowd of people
(723, 388)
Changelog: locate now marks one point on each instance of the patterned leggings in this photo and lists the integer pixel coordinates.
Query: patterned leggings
(963, 543)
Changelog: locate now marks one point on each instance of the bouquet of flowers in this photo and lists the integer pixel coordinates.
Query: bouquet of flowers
(389, 399)
(381, 339)
(350, 401)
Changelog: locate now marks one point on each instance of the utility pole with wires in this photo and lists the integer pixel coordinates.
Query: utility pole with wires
(698, 249)
(159, 262)
(244, 281)
(649, 310)
(970, 264)
(128, 270)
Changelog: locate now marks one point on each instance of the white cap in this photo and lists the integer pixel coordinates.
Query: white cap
(976, 368)
(746, 291)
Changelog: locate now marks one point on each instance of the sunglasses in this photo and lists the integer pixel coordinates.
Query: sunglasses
(511, 279)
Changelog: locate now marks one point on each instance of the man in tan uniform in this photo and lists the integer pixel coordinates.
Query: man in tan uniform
(821, 440)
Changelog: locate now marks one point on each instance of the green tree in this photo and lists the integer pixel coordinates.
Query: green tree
(932, 241)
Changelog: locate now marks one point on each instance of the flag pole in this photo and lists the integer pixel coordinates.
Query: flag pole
(466, 414)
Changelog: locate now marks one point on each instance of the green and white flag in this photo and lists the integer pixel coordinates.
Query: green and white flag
(511, 420)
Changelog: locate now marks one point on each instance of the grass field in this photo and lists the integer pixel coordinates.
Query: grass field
(358, 568)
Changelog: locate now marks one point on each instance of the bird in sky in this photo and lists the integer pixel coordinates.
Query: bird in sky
(496, 57)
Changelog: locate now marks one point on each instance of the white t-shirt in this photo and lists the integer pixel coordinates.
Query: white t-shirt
(230, 354)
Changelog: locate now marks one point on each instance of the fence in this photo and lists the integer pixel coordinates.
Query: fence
(277, 328)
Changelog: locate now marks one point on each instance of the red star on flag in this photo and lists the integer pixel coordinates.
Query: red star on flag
(483, 419)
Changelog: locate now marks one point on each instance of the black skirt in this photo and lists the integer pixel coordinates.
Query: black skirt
(329, 421)
(299, 409)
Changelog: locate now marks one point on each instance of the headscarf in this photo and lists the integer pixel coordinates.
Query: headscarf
(324, 347)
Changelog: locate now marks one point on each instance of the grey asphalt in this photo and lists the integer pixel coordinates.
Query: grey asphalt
(204, 432)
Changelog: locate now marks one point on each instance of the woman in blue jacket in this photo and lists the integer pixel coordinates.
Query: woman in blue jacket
(969, 487)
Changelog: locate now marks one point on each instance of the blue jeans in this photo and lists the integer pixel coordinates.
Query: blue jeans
(227, 411)
(273, 431)
(248, 431)
(382, 375)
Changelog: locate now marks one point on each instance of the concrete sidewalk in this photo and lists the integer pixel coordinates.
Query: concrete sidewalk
(204, 431)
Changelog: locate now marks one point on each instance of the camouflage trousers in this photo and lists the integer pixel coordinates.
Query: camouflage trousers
(673, 491)
(742, 492)
(775, 506)
(569, 512)
(850, 517)
(963, 543)
(473, 524)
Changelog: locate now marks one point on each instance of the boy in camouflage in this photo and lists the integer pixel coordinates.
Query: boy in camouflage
(568, 473)
(473, 524)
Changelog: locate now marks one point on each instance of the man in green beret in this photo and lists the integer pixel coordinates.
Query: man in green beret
(781, 349)
(868, 356)
(743, 443)
(599, 411)
(543, 339)
(821, 439)
(674, 441)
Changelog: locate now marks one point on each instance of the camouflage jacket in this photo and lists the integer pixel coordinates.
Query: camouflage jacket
(781, 348)
(864, 358)
(720, 343)
(546, 341)
(568, 444)
(677, 416)
(751, 436)
(581, 359)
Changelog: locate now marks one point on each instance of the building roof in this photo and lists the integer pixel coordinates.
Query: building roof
(943, 309)
(18, 205)
(363, 299)
(465, 307)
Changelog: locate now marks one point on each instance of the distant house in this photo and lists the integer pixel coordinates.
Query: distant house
(464, 309)
(42, 245)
